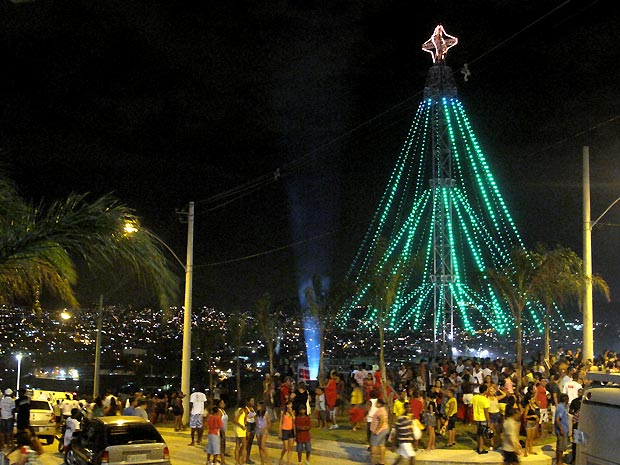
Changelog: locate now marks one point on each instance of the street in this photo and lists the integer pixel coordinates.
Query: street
(182, 454)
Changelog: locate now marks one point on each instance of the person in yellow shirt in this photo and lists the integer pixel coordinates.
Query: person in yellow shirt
(451, 409)
(399, 404)
(480, 406)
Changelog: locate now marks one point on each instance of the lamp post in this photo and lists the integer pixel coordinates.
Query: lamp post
(588, 317)
(19, 369)
(188, 267)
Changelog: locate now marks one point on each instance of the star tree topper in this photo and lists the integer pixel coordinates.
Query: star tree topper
(439, 43)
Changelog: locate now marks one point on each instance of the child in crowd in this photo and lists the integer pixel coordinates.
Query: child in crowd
(303, 424)
(321, 408)
(214, 425)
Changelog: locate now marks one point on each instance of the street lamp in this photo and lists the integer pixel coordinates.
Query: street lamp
(188, 267)
(588, 318)
(19, 369)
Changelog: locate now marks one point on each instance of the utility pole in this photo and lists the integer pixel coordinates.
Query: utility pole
(588, 327)
(187, 315)
(98, 347)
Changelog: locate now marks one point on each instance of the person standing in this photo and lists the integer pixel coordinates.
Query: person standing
(379, 430)
(451, 411)
(214, 426)
(240, 430)
(287, 431)
(263, 423)
(22, 410)
(7, 415)
(303, 424)
(196, 411)
(511, 447)
(531, 418)
(574, 408)
(331, 397)
(250, 428)
(321, 408)
(561, 428)
(221, 406)
(480, 405)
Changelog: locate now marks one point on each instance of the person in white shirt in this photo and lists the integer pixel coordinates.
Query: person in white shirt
(571, 388)
(72, 424)
(7, 417)
(196, 410)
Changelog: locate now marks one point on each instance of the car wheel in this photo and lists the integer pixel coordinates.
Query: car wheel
(70, 459)
(49, 440)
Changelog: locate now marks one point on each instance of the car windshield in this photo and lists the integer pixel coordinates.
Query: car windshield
(39, 405)
(132, 434)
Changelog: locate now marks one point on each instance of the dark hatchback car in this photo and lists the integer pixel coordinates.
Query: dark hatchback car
(118, 440)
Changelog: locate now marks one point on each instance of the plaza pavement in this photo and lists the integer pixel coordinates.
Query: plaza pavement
(359, 452)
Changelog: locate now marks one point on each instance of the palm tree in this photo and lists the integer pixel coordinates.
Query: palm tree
(323, 306)
(515, 283)
(559, 280)
(237, 325)
(39, 246)
(385, 280)
(268, 327)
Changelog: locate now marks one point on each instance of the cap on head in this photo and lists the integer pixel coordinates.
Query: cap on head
(9, 392)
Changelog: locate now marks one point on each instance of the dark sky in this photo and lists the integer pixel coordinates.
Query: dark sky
(165, 102)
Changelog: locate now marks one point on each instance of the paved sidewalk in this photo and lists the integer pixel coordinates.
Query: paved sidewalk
(359, 452)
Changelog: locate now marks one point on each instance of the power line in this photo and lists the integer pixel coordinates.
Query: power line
(288, 168)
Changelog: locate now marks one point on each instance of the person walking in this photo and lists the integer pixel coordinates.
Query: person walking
(378, 433)
(511, 447)
(403, 428)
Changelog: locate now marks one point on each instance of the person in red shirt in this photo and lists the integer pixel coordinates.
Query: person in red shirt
(285, 392)
(331, 397)
(416, 407)
(543, 403)
(214, 425)
(303, 424)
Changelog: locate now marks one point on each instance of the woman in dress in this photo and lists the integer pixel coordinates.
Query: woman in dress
(177, 410)
(263, 423)
(287, 431)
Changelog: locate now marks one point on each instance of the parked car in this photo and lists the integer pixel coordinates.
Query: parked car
(43, 420)
(118, 440)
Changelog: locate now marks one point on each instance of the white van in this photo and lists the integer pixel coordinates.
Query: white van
(598, 436)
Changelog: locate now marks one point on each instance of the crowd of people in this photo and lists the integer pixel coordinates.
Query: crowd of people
(419, 406)
(420, 401)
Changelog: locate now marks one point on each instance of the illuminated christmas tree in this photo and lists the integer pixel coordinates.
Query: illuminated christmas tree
(443, 214)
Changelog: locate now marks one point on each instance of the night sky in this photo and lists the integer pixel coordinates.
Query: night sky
(166, 102)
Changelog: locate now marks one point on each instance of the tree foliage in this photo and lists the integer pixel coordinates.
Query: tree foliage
(39, 246)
